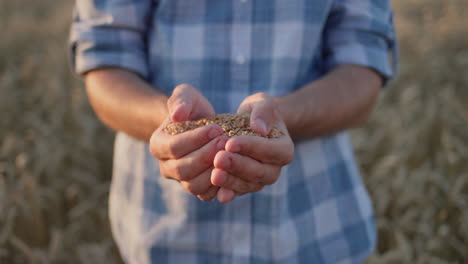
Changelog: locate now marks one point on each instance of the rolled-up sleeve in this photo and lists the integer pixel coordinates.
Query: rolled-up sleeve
(361, 32)
(110, 33)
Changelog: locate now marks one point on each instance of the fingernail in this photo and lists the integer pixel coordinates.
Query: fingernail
(261, 124)
(235, 149)
(213, 133)
(175, 111)
(225, 195)
(219, 178)
(177, 107)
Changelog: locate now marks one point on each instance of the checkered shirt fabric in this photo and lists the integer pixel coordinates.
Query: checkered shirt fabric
(318, 211)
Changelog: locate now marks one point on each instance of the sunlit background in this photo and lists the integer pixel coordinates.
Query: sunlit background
(55, 157)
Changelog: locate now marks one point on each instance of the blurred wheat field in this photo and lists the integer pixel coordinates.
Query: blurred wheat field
(55, 157)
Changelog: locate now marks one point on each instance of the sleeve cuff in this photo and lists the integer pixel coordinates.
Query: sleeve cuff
(377, 54)
(105, 47)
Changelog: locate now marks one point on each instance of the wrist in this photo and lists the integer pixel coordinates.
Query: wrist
(296, 114)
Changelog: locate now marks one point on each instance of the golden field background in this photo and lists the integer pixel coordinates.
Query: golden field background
(55, 157)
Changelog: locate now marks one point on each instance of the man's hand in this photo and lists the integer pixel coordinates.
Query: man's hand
(188, 157)
(249, 163)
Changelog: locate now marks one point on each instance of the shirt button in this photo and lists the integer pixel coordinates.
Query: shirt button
(240, 59)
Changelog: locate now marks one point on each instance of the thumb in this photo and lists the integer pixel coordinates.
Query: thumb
(263, 117)
(187, 103)
(180, 111)
(180, 103)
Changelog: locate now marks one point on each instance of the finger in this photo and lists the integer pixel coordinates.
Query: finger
(246, 168)
(180, 103)
(194, 163)
(210, 194)
(164, 146)
(263, 117)
(245, 108)
(199, 184)
(262, 111)
(181, 111)
(225, 195)
(279, 151)
(246, 105)
(187, 103)
(223, 179)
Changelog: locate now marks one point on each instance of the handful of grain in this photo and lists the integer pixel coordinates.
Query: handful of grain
(232, 125)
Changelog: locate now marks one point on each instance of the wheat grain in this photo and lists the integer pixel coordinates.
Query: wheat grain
(232, 125)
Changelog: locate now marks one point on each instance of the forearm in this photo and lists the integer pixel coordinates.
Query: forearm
(125, 102)
(341, 99)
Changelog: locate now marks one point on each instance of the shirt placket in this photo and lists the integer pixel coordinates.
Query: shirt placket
(241, 40)
(241, 231)
(241, 44)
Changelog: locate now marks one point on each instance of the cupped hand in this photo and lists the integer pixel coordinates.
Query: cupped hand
(188, 157)
(250, 162)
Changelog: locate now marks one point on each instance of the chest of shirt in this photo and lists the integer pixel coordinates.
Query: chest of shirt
(253, 43)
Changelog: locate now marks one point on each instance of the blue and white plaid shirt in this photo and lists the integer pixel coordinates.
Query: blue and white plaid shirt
(318, 211)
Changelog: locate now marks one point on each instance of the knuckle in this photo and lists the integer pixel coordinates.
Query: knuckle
(258, 188)
(260, 175)
(285, 160)
(179, 88)
(205, 198)
(166, 175)
(183, 176)
(288, 160)
(253, 187)
(171, 100)
(242, 144)
(249, 187)
(177, 173)
(154, 147)
(192, 188)
(153, 151)
(183, 86)
(177, 92)
(270, 181)
(288, 157)
(230, 183)
(243, 187)
(163, 170)
(209, 194)
(262, 95)
(172, 150)
(206, 132)
(273, 177)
